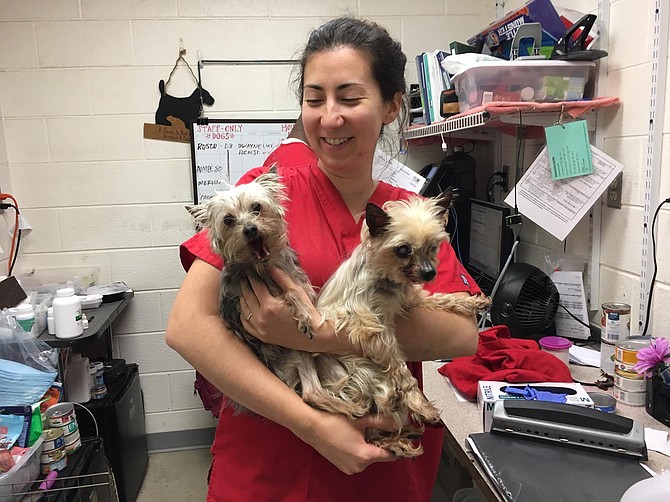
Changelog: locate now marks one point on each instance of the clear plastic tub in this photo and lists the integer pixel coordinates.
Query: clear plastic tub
(533, 81)
(19, 478)
(558, 346)
(49, 280)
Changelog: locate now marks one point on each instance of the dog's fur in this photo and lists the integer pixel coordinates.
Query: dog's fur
(246, 227)
(381, 280)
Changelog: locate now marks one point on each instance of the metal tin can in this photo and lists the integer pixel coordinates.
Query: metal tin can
(53, 439)
(607, 357)
(615, 321)
(99, 391)
(60, 414)
(58, 465)
(629, 398)
(625, 351)
(603, 402)
(72, 442)
(624, 382)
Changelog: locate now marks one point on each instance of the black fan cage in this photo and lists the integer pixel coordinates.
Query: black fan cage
(537, 303)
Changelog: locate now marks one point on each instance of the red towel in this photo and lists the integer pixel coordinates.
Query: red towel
(504, 359)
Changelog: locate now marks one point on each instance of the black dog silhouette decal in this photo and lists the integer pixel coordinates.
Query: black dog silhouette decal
(185, 109)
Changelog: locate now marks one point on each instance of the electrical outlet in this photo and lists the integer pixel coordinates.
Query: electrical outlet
(614, 192)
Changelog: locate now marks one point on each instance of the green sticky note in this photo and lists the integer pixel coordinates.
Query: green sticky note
(569, 150)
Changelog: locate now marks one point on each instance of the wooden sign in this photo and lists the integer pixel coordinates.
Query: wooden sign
(176, 132)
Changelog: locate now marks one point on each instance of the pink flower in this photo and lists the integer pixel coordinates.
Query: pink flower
(654, 357)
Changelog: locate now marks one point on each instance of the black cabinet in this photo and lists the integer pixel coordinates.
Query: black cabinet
(120, 421)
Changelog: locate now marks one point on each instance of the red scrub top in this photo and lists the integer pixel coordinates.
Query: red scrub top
(291, 152)
(257, 459)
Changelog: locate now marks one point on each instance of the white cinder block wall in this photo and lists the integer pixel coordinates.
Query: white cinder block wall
(78, 78)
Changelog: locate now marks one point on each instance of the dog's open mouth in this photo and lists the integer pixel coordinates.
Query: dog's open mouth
(258, 249)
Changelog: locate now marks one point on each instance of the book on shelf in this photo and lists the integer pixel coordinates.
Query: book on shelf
(433, 79)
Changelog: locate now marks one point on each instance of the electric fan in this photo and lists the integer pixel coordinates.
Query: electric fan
(526, 301)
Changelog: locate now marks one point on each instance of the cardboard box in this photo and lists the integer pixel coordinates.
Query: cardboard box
(489, 392)
(498, 35)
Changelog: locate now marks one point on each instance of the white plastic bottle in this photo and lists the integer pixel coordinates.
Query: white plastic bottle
(67, 314)
(77, 379)
(25, 318)
(51, 325)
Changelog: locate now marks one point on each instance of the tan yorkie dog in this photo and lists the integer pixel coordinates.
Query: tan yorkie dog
(381, 280)
(246, 227)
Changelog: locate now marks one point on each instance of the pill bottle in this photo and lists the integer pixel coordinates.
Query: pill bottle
(51, 325)
(25, 318)
(67, 314)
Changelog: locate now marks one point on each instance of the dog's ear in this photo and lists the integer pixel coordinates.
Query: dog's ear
(271, 175)
(444, 202)
(198, 212)
(376, 219)
(271, 181)
(447, 197)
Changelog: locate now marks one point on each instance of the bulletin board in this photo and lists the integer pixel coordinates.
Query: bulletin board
(223, 150)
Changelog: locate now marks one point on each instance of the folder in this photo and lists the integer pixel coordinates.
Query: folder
(524, 470)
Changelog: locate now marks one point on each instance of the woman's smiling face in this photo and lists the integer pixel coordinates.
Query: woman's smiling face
(343, 110)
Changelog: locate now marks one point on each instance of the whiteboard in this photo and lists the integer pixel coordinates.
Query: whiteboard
(223, 150)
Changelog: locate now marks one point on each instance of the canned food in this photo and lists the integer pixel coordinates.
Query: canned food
(625, 369)
(72, 442)
(54, 466)
(615, 321)
(99, 391)
(51, 456)
(53, 439)
(625, 351)
(603, 402)
(629, 384)
(607, 357)
(629, 398)
(60, 414)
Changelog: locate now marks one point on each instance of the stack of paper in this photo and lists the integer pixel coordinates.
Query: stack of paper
(22, 385)
(584, 356)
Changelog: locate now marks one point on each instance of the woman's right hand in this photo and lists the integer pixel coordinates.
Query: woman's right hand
(342, 440)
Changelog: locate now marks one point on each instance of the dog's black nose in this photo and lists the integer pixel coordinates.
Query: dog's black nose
(428, 273)
(250, 231)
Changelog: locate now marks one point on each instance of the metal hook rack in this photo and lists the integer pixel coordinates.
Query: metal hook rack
(237, 62)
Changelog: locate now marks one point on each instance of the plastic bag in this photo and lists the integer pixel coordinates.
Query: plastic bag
(23, 349)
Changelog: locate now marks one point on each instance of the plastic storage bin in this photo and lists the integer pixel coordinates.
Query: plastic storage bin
(19, 478)
(534, 81)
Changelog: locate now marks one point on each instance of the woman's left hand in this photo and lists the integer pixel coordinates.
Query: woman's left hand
(270, 320)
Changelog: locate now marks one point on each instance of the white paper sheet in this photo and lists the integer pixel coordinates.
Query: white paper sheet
(657, 440)
(584, 356)
(559, 205)
(570, 286)
(396, 173)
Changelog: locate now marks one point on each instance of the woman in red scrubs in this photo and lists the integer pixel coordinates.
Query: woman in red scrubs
(352, 85)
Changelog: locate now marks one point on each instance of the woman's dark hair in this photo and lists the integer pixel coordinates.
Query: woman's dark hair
(384, 54)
